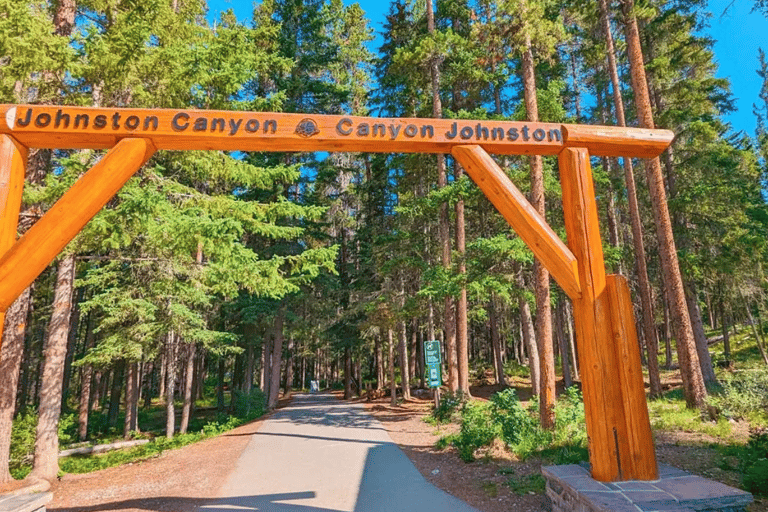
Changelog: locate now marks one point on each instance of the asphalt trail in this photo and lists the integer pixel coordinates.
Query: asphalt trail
(323, 455)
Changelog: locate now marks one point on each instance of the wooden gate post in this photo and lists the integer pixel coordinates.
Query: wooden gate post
(13, 163)
(620, 440)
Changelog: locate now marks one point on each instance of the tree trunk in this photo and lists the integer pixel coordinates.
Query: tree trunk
(46, 461)
(726, 334)
(74, 325)
(563, 343)
(131, 423)
(392, 382)
(221, 372)
(690, 370)
(379, 363)
(289, 368)
(86, 376)
(702, 347)
(11, 355)
(115, 392)
(544, 339)
(189, 398)
(64, 17)
(404, 367)
(646, 298)
(493, 321)
(462, 349)
(444, 229)
(170, 384)
(758, 339)
(277, 357)
(529, 342)
(348, 377)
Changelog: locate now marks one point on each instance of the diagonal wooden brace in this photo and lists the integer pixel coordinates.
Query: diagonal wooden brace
(523, 217)
(29, 256)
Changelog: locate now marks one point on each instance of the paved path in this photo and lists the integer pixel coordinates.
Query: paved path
(323, 455)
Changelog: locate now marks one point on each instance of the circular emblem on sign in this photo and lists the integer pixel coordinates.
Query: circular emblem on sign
(307, 128)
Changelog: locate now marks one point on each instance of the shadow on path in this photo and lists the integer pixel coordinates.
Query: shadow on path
(229, 504)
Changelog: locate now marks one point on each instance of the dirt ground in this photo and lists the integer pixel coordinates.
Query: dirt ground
(184, 479)
(485, 483)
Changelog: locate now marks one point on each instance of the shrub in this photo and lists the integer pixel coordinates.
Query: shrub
(754, 462)
(477, 430)
(514, 421)
(743, 394)
(449, 404)
(250, 405)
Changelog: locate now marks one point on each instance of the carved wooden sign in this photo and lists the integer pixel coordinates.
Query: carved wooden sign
(621, 442)
(77, 128)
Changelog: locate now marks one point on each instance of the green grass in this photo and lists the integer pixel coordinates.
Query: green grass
(527, 484)
(669, 413)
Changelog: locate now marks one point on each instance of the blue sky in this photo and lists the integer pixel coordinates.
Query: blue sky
(739, 33)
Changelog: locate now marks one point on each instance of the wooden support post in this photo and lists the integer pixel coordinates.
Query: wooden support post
(642, 454)
(620, 443)
(523, 217)
(29, 256)
(13, 163)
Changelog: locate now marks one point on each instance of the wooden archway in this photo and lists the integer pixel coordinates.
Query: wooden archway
(620, 440)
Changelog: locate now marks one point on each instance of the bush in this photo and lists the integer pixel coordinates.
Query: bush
(754, 462)
(449, 404)
(250, 405)
(570, 419)
(514, 421)
(477, 430)
(743, 395)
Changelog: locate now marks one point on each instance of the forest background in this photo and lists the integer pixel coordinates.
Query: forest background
(216, 277)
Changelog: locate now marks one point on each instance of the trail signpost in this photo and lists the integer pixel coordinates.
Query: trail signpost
(433, 360)
(621, 444)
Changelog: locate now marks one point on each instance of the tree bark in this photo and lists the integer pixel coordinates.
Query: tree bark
(493, 321)
(404, 367)
(131, 423)
(449, 318)
(277, 357)
(690, 369)
(170, 384)
(189, 398)
(646, 298)
(11, 355)
(529, 341)
(46, 460)
(544, 339)
(86, 377)
(392, 382)
(702, 347)
(462, 340)
(289, 368)
(64, 17)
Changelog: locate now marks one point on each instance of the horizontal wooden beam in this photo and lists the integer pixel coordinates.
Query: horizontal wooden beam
(614, 140)
(29, 256)
(62, 127)
(522, 216)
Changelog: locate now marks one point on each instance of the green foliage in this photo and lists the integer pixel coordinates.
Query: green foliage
(527, 484)
(504, 418)
(250, 405)
(477, 429)
(449, 404)
(754, 462)
(744, 395)
(515, 422)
